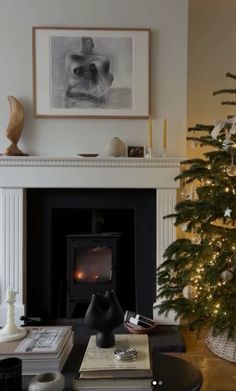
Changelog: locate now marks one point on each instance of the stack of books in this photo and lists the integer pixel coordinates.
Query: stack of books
(43, 349)
(102, 370)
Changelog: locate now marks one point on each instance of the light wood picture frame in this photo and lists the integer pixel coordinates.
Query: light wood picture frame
(91, 72)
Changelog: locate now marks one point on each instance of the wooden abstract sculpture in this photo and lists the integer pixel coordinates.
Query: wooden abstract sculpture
(15, 127)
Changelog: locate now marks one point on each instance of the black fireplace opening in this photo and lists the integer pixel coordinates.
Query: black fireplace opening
(82, 241)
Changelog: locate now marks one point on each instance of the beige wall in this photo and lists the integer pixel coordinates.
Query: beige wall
(168, 20)
(211, 54)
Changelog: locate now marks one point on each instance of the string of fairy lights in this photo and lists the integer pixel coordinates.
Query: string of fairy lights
(198, 283)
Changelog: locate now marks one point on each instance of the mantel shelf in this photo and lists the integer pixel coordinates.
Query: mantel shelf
(51, 161)
(95, 172)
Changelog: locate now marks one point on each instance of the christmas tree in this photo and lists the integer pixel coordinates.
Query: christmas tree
(197, 278)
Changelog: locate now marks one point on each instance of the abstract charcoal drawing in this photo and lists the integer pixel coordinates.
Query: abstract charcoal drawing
(91, 72)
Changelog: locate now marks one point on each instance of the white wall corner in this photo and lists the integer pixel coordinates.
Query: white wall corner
(163, 319)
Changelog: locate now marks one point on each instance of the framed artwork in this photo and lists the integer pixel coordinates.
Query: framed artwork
(91, 72)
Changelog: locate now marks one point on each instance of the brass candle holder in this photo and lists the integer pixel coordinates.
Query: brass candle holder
(164, 153)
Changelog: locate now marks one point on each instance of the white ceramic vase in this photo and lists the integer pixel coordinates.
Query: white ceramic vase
(50, 381)
(114, 147)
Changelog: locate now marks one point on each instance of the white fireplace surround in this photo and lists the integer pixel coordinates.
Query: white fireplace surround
(19, 173)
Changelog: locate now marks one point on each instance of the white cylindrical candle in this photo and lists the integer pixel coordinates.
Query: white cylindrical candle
(165, 134)
(10, 295)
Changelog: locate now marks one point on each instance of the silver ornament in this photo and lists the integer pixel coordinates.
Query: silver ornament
(227, 143)
(226, 275)
(196, 238)
(189, 292)
(231, 170)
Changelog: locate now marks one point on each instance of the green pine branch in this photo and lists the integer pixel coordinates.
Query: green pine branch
(231, 75)
(227, 102)
(225, 91)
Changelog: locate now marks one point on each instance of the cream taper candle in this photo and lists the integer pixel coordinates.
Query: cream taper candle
(165, 134)
(150, 132)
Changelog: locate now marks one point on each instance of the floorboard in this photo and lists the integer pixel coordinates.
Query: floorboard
(218, 374)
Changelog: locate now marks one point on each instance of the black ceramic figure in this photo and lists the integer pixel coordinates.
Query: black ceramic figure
(104, 314)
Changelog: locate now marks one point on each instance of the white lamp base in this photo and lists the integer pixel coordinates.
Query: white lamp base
(6, 336)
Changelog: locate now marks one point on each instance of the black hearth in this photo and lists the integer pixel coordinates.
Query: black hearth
(55, 215)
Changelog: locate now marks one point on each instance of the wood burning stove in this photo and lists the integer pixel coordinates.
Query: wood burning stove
(92, 261)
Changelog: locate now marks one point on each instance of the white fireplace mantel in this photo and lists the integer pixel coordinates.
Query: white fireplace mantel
(20, 173)
(88, 172)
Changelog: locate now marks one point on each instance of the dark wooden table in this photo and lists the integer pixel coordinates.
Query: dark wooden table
(175, 374)
(169, 373)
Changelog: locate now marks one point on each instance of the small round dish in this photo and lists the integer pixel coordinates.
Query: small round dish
(88, 154)
(143, 330)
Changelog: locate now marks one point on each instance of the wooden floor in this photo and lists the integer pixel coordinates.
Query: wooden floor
(218, 374)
